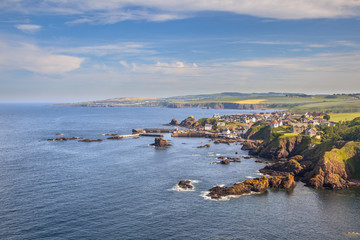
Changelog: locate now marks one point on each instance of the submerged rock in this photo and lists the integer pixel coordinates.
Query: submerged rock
(204, 146)
(90, 140)
(115, 137)
(63, 139)
(253, 185)
(160, 142)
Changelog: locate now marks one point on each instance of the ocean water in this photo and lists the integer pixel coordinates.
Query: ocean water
(125, 189)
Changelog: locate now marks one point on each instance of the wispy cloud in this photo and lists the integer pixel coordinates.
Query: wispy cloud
(28, 28)
(128, 48)
(24, 56)
(105, 12)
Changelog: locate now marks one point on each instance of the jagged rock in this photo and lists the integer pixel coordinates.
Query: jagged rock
(63, 139)
(225, 161)
(335, 167)
(253, 185)
(261, 161)
(250, 145)
(204, 146)
(174, 122)
(160, 142)
(283, 167)
(188, 122)
(90, 140)
(224, 140)
(186, 185)
(282, 147)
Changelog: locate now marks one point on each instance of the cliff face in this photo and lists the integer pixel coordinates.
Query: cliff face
(335, 167)
(283, 147)
(215, 105)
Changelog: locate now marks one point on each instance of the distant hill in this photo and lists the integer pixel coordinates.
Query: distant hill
(295, 102)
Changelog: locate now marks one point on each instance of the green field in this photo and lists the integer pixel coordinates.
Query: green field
(297, 103)
(337, 117)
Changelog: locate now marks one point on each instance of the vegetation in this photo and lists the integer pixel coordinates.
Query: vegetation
(337, 117)
(298, 103)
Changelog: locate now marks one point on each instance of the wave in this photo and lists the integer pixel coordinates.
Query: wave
(179, 189)
(204, 194)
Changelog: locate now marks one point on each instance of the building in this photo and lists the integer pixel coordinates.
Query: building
(208, 127)
(311, 132)
(298, 127)
(216, 115)
(274, 124)
(221, 124)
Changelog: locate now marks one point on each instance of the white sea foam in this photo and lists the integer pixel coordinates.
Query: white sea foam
(249, 177)
(179, 189)
(204, 194)
(195, 155)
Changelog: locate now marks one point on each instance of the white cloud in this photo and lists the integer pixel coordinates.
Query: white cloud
(28, 28)
(129, 48)
(112, 11)
(29, 57)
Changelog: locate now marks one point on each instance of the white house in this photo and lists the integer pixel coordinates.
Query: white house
(208, 127)
(221, 124)
(274, 124)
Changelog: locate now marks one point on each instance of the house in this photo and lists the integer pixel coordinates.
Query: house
(298, 127)
(327, 124)
(311, 132)
(208, 127)
(220, 124)
(216, 115)
(274, 124)
(225, 131)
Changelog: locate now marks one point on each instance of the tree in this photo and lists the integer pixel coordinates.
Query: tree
(326, 117)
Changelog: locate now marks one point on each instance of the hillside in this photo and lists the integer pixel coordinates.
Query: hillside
(297, 103)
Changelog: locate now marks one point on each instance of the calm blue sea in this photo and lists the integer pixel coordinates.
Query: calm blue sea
(124, 189)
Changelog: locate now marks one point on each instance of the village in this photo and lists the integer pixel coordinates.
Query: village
(237, 126)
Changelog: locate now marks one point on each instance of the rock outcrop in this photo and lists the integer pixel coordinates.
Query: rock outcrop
(204, 146)
(115, 137)
(174, 122)
(188, 122)
(282, 147)
(335, 167)
(63, 139)
(291, 166)
(186, 185)
(160, 142)
(90, 140)
(253, 185)
(250, 145)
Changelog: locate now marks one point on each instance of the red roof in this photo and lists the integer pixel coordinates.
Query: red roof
(275, 122)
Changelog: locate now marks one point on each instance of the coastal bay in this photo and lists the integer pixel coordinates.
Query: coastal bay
(125, 189)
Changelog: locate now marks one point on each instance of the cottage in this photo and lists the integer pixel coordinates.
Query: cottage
(216, 115)
(298, 127)
(221, 124)
(311, 132)
(274, 124)
(208, 127)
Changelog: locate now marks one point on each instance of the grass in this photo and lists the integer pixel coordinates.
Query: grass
(337, 117)
(251, 101)
(290, 134)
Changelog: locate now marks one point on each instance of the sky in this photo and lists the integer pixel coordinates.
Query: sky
(66, 51)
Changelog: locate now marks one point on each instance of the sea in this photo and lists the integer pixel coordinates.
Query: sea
(126, 189)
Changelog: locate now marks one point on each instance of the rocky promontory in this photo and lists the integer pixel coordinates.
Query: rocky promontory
(253, 185)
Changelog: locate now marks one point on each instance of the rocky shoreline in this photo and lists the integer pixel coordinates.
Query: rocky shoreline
(293, 158)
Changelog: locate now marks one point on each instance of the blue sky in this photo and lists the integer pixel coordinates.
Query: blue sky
(62, 50)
